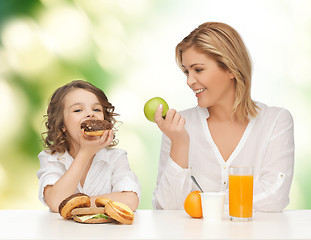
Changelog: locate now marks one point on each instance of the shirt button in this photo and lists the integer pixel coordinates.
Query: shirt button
(225, 182)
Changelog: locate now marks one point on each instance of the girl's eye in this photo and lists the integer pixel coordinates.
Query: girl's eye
(97, 110)
(77, 110)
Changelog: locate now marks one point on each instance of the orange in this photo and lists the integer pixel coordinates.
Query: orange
(193, 204)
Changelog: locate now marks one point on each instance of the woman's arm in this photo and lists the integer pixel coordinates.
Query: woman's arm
(271, 193)
(173, 126)
(173, 181)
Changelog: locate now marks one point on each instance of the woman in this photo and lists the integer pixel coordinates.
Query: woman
(226, 128)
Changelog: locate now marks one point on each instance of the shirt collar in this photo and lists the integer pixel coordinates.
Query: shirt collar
(203, 112)
(101, 156)
(67, 159)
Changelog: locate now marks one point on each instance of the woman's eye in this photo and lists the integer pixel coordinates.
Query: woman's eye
(186, 72)
(198, 70)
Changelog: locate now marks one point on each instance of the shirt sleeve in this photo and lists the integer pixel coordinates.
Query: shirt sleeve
(49, 173)
(123, 179)
(173, 182)
(271, 193)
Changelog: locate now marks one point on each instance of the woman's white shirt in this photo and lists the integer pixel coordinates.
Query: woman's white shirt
(267, 145)
(109, 172)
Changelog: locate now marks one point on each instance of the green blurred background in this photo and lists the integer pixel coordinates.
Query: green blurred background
(126, 47)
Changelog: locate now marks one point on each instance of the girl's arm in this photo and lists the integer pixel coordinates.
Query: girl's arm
(125, 186)
(68, 183)
(128, 198)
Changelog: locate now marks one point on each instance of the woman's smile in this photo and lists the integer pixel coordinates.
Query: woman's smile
(198, 91)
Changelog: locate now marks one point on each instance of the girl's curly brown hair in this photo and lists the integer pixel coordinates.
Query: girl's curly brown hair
(54, 138)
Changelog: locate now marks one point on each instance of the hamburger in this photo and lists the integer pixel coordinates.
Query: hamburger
(116, 210)
(77, 207)
(95, 127)
(90, 215)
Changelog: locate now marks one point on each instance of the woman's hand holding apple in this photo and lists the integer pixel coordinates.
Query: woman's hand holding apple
(173, 126)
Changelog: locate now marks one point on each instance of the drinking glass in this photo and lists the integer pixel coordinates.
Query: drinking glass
(241, 193)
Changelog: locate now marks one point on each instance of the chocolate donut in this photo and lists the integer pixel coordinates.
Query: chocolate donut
(95, 127)
(77, 200)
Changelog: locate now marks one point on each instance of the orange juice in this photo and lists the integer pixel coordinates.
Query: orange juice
(241, 196)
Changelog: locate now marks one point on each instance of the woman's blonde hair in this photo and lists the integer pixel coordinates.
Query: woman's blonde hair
(54, 138)
(223, 44)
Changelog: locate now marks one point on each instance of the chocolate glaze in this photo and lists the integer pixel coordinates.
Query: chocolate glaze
(93, 125)
(66, 200)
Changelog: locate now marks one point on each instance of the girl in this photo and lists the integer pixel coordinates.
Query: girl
(74, 162)
(226, 128)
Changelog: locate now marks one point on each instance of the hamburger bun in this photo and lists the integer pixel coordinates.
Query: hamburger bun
(77, 200)
(101, 201)
(95, 127)
(90, 215)
(120, 212)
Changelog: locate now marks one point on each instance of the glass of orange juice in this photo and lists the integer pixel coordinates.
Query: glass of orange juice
(241, 193)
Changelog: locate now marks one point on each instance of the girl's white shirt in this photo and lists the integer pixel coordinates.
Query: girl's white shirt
(109, 172)
(267, 145)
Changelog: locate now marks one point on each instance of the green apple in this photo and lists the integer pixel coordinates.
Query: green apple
(152, 105)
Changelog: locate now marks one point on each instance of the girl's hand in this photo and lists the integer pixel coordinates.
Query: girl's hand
(172, 126)
(91, 145)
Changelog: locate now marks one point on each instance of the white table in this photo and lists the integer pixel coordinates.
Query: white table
(155, 224)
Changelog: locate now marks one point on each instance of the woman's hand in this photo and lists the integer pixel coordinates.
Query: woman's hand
(173, 126)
